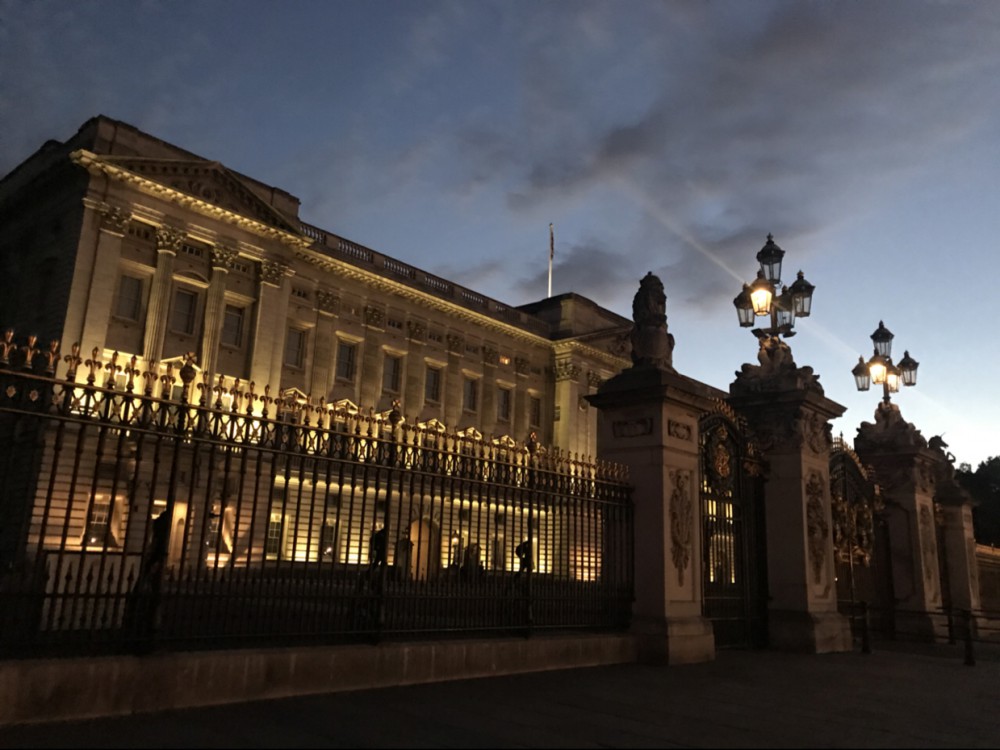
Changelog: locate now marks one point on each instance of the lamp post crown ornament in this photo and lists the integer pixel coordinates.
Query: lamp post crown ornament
(652, 344)
(776, 370)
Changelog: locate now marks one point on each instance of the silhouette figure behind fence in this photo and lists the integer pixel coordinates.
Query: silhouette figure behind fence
(376, 550)
(523, 552)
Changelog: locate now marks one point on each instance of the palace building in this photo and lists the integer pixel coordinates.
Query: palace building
(125, 243)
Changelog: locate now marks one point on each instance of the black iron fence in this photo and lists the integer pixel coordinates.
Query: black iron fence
(140, 510)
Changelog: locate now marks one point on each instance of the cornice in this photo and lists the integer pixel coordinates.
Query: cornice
(578, 347)
(374, 280)
(94, 164)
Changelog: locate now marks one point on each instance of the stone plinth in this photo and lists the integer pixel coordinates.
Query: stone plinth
(649, 422)
(786, 409)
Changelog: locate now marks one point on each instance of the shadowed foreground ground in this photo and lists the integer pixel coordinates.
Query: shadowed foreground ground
(903, 697)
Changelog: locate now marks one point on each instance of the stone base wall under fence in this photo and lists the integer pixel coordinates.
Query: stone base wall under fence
(34, 691)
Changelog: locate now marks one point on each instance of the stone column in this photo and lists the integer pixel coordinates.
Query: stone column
(785, 406)
(321, 379)
(488, 391)
(168, 243)
(519, 424)
(104, 279)
(272, 322)
(906, 468)
(567, 401)
(648, 421)
(223, 259)
(372, 358)
(413, 383)
(454, 379)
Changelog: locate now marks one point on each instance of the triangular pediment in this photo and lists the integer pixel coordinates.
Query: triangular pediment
(208, 181)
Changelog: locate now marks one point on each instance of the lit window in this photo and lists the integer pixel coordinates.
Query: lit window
(232, 326)
(432, 385)
(392, 373)
(470, 400)
(328, 540)
(99, 522)
(347, 355)
(129, 298)
(295, 347)
(185, 311)
(503, 404)
(275, 529)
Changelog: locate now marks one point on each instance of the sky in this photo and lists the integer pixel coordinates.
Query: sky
(666, 136)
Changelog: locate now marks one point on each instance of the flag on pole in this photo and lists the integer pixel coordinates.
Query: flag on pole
(552, 243)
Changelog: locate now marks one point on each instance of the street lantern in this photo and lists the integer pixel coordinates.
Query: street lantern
(785, 308)
(883, 340)
(908, 367)
(761, 294)
(769, 258)
(881, 370)
(802, 295)
(862, 377)
(744, 307)
(878, 367)
(761, 298)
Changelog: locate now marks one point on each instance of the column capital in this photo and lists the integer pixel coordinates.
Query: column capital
(272, 272)
(567, 370)
(169, 239)
(223, 258)
(114, 219)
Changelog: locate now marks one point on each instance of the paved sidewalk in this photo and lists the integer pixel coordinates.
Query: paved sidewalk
(893, 698)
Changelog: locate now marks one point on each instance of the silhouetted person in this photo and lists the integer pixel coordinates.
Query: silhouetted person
(376, 550)
(523, 552)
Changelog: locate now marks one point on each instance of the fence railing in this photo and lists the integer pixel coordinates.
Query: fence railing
(224, 518)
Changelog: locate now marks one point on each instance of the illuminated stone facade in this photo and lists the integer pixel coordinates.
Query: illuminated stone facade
(122, 242)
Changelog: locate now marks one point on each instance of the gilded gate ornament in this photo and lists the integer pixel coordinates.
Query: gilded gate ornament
(817, 527)
(681, 523)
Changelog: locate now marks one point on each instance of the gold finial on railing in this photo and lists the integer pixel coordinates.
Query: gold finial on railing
(29, 350)
(265, 400)
(72, 361)
(94, 363)
(131, 370)
(250, 397)
(113, 369)
(51, 357)
(7, 346)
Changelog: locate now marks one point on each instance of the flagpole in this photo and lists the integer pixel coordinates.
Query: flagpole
(552, 252)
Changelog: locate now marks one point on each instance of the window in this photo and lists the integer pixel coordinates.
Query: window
(295, 347)
(432, 385)
(535, 416)
(503, 404)
(99, 521)
(347, 356)
(392, 373)
(129, 298)
(184, 314)
(275, 530)
(232, 326)
(328, 539)
(470, 395)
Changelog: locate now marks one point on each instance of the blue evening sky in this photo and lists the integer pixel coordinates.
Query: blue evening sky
(657, 136)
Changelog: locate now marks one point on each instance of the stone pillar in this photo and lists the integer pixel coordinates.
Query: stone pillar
(648, 421)
(454, 380)
(101, 296)
(908, 471)
(785, 406)
(488, 388)
(372, 358)
(223, 259)
(272, 322)
(168, 243)
(324, 351)
(413, 381)
(567, 401)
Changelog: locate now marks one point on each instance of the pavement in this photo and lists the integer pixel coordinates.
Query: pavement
(899, 696)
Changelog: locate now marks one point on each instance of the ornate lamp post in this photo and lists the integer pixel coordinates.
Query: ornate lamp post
(880, 369)
(761, 298)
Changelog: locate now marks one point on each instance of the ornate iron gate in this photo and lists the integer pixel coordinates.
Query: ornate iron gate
(733, 545)
(859, 540)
